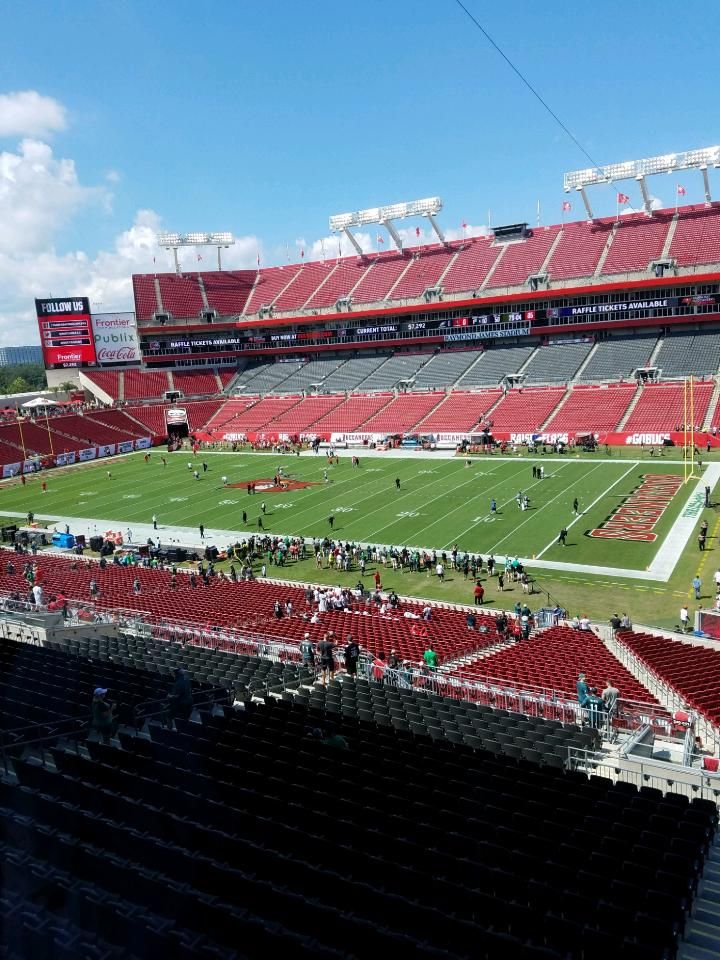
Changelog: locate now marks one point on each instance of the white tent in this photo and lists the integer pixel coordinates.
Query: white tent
(39, 402)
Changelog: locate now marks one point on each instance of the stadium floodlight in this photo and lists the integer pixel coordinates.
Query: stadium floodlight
(701, 159)
(429, 207)
(173, 241)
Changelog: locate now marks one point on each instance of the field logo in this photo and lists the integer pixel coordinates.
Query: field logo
(636, 518)
(268, 485)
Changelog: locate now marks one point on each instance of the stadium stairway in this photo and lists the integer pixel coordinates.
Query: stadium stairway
(631, 406)
(710, 416)
(701, 939)
(556, 409)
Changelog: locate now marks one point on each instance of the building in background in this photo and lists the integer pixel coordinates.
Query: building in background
(13, 355)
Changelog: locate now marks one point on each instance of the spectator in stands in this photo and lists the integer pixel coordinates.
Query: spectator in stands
(625, 622)
(136, 586)
(584, 622)
(94, 591)
(471, 620)
(431, 658)
(181, 698)
(583, 691)
(352, 655)
(610, 697)
(102, 719)
(615, 623)
(326, 649)
(307, 652)
(595, 708)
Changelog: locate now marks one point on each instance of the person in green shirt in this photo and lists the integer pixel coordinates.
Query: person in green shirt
(431, 658)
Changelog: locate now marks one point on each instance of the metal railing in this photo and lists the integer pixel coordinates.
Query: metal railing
(667, 777)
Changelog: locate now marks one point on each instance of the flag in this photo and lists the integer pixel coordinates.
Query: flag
(302, 254)
(199, 258)
(464, 225)
(154, 261)
(379, 239)
(623, 198)
(417, 231)
(681, 190)
(566, 206)
(258, 259)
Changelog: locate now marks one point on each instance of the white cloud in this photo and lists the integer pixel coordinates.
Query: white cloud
(113, 176)
(27, 113)
(39, 194)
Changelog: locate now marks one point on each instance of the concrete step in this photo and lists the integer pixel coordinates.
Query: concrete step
(707, 911)
(703, 935)
(691, 951)
(709, 890)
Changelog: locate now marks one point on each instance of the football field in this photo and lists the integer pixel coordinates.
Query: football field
(436, 504)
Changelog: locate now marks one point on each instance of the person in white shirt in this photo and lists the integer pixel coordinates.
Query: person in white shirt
(440, 571)
(584, 622)
(684, 618)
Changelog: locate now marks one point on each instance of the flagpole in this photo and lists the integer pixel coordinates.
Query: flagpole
(677, 194)
(538, 213)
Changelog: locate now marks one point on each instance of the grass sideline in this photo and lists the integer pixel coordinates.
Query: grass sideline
(440, 502)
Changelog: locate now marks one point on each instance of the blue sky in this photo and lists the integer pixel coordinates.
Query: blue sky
(264, 118)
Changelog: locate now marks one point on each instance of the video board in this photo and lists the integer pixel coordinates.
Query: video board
(66, 333)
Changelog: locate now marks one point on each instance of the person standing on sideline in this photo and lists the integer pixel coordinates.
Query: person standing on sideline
(696, 584)
(562, 537)
(154, 522)
(575, 506)
(684, 618)
(244, 517)
(202, 531)
(128, 535)
(397, 483)
(707, 496)
(479, 594)
(493, 506)
(331, 521)
(501, 580)
(263, 507)
(260, 523)
(701, 540)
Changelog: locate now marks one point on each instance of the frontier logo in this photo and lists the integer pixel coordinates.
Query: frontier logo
(636, 518)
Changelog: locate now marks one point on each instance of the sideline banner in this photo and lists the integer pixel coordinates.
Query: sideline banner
(11, 469)
(125, 446)
(88, 454)
(63, 459)
(143, 443)
(106, 450)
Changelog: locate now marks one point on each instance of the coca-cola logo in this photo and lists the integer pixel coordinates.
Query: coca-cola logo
(120, 353)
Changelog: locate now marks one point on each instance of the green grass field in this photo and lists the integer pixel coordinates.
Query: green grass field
(439, 503)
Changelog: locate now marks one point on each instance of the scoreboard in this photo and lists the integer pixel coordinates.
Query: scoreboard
(66, 333)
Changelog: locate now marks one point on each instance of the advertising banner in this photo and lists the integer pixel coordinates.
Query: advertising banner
(11, 469)
(106, 450)
(142, 443)
(88, 454)
(66, 334)
(125, 446)
(63, 459)
(116, 338)
(31, 466)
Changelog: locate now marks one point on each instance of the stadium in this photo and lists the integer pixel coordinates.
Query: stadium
(369, 602)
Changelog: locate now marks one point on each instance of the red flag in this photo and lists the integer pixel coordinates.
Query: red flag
(623, 198)
(566, 206)
(464, 225)
(681, 190)
(417, 231)
(380, 239)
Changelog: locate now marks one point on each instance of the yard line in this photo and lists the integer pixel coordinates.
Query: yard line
(426, 503)
(537, 512)
(512, 500)
(596, 500)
